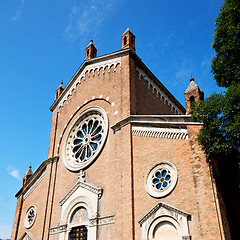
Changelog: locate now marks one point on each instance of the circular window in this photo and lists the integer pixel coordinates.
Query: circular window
(161, 179)
(30, 217)
(85, 138)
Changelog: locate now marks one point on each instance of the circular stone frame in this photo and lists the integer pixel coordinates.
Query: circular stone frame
(80, 139)
(30, 217)
(160, 191)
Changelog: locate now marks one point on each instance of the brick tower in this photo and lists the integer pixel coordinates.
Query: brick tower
(123, 162)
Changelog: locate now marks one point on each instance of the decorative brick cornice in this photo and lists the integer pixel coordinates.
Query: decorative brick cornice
(105, 61)
(92, 67)
(171, 133)
(180, 121)
(158, 91)
(35, 177)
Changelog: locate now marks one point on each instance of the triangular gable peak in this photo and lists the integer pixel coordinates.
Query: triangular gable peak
(25, 236)
(104, 62)
(81, 184)
(164, 214)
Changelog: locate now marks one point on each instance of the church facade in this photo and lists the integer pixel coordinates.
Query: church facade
(123, 161)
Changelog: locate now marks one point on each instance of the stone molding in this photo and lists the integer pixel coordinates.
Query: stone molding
(173, 121)
(38, 173)
(25, 236)
(171, 133)
(163, 213)
(163, 205)
(156, 90)
(82, 184)
(34, 186)
(102, 221)
(91, 68)
(58, 229)
(92, 223)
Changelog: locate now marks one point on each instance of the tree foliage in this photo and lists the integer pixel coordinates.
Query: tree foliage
(220, 113)
(226, 63)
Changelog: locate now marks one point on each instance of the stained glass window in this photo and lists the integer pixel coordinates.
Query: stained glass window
(80, 215)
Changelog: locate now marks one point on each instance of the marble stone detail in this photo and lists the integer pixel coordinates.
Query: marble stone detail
(58, 229)
(163, 213)
(84, 185)
(92, 222)
(156, 90)
(171, 133)
(102, 221)
(164, 208)
(105, 64)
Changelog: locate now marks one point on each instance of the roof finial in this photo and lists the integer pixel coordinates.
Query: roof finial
(191, 79)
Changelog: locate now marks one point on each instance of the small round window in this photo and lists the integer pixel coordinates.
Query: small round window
(85, 139)
(30, 216)
(161, 179)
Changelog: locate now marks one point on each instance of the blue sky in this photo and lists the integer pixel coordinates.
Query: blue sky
(43, 43)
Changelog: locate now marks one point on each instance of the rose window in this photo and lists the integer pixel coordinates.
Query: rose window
(30, 217)
(161, 179)
(85, 139)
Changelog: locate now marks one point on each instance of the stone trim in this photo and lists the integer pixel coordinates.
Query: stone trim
(34, 186)
(92, 223)
(171, 133)
(158, 206)
(58, 229)
(156, 90)
(87, 186)
(178, 121)
(102, 221)
(25, 236)
(36, 176)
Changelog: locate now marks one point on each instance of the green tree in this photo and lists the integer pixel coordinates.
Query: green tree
(220, 114)
(220, 137)
(226, 63)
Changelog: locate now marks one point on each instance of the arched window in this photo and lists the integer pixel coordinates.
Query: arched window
(165, 231)
(192, 99)
(125, 40)
(79, 215)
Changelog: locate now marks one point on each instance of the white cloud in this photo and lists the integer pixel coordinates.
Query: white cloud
(206, 63)
(90, 15)
(14, 172)
(5, 231)
(18, 11)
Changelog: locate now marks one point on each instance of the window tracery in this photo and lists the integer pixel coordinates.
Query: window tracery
(161, 179)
